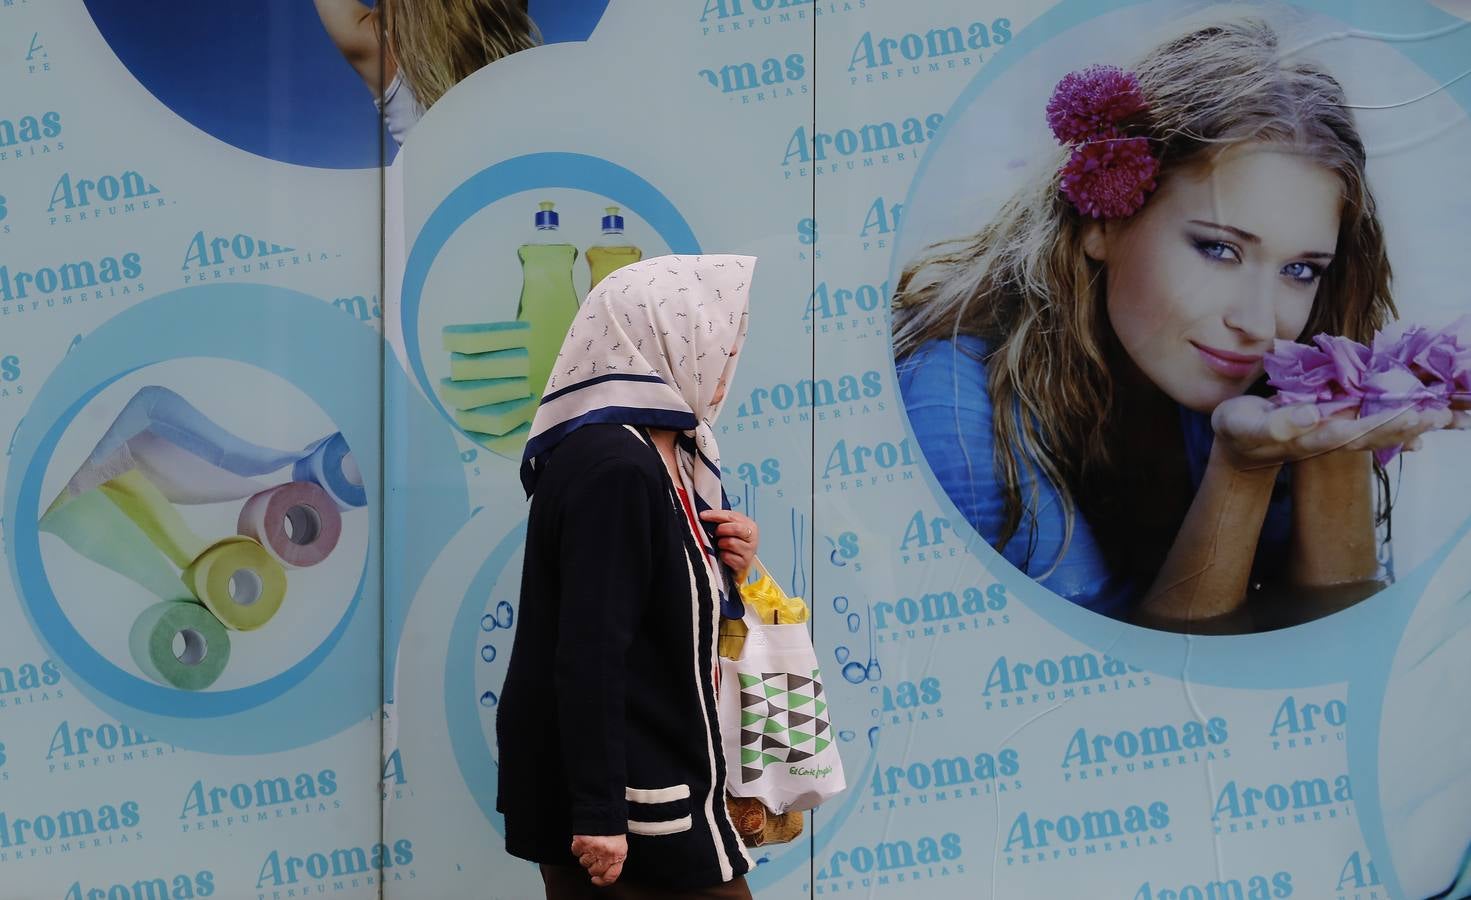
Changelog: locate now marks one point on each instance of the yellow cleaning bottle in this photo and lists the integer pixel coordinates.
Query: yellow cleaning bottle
(602, 259)
(548, 299)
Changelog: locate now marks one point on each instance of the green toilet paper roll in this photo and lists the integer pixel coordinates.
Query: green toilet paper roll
(204, 641)
(239, 581)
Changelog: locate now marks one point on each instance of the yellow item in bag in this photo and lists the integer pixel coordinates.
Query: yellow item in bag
(769, 602)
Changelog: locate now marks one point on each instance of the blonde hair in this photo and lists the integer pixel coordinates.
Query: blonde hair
(438, 43)
(1024, 285)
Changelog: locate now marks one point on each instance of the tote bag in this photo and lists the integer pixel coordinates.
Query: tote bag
(780, 746)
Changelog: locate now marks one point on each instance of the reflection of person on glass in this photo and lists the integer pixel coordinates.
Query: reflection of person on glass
(432, 46)
(1082, 382)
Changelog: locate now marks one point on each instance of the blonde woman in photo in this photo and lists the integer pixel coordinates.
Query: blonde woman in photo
(431, 47)
(1084, 374)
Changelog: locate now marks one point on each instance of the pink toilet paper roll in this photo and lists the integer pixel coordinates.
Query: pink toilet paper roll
(297, 522)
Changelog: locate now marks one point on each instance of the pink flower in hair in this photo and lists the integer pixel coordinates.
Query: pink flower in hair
(1109, 179)
(1093, 103)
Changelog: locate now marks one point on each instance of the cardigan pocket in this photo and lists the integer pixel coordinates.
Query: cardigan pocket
(654, 812)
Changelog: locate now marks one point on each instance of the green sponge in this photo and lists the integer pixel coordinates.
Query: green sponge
(486, 337)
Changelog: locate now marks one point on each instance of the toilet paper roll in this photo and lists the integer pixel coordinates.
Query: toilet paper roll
(330, 463)
(142, 501)
(241, 583)
(203, 644)
(94, 527)
(191, 459)
(297, 522)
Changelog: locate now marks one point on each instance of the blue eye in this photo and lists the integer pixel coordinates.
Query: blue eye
(1303, 273)
(1217, 250)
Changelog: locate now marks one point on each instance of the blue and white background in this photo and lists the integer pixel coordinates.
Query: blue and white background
(1323, 761)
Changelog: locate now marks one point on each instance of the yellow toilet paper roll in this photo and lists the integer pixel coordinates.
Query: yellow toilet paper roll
(142, 501)
(240, 582)
(180, 644)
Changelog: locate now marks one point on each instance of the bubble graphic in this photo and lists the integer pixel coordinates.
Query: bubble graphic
(487, 653)
(504, 614)
(855, 673)
(840, 604)
(846, 735)
(842, 654)
(489, 699)
(854, 622)
(488, 623)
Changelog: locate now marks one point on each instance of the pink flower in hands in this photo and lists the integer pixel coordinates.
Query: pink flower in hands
(1300, 373)
(1349, 359)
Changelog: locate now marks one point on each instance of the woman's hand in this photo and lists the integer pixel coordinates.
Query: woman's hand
(602, 855)
(737, 537)
(1253, 432)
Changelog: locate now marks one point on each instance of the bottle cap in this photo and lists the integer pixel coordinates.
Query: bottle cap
(612, 222)
(546, 219)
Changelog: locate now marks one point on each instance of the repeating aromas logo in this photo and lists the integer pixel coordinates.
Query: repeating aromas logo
(908, 702)
(945, 48)
(29, 683)
(847, 313)
(1050, 679)
(211, 808)
(68, 283)
(30, 135)
(38, 58)
(216, 258)
(858, 147)
(783, 404)
(395, 783)
(67, 830)
(924, 539)
(1358, 879)
(4, 214)
(1034, 839)
(940, 613)
(760, 81)
(880, 221)
(1094, 756)
(1240, 809)
(733, 16)
(4, 772)
(178, 887)
(1298, 725)
(81, 199)
(10, 385)
(75, 748)
(1255, 887)
(891, 862)
(944, 779)
(855, 466)
(362, 307)
(338, 869)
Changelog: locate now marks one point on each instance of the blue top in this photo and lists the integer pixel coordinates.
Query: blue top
(943, 385)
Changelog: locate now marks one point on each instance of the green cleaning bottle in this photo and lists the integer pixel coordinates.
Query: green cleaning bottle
(603, 259)
(548, 299)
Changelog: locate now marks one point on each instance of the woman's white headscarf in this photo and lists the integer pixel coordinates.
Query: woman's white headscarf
(649, 347)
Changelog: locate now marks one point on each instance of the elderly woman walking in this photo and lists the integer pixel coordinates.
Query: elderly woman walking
(611, 771)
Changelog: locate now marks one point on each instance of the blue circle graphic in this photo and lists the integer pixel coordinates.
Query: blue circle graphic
(525, 173)
(1283, 658)
(275, 329)
(261, 76)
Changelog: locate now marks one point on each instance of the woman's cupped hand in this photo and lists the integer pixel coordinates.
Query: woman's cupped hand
(1253, 432)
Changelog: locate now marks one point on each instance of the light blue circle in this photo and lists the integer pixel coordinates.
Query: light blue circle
(277, 330)
(575, 171)
(1304, 655)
